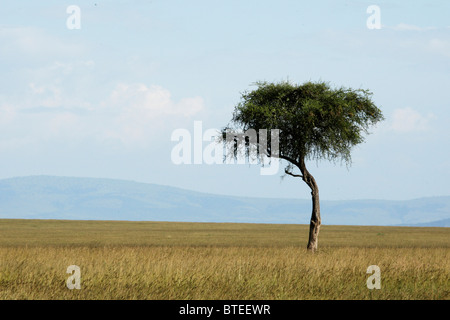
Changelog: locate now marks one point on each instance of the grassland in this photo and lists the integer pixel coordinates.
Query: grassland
(159, 260)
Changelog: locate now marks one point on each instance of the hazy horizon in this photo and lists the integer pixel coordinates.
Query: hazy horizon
(306, 196)
(75, 198)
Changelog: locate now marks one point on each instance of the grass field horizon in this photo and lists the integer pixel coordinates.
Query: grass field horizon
(182, 260)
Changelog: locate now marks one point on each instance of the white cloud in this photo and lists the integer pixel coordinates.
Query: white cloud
(138, 109)
(131, 115)
(408, 120)
(151, 102)
(56, 94)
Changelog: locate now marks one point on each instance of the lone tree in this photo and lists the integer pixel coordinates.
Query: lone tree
(314, 121)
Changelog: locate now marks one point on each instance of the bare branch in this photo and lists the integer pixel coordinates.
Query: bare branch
(292, 174)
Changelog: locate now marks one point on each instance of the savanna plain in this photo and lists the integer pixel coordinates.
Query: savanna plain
(125, 260)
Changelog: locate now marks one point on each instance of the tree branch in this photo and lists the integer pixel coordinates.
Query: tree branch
(294, 162)
(292, 174)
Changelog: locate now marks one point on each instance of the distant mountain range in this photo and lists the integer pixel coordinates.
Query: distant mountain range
(48, 197)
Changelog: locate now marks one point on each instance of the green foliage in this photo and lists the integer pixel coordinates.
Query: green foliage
(315, 120)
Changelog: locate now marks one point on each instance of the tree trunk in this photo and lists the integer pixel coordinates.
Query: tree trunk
(315, 222)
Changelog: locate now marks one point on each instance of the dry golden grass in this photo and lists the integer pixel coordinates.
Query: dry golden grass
(157, 260)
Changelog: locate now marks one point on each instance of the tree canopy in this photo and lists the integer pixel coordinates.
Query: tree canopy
(315, 120)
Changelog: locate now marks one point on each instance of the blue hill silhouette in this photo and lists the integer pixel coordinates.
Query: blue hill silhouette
(49, 197)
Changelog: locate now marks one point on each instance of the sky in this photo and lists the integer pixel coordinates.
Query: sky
(98, 91)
